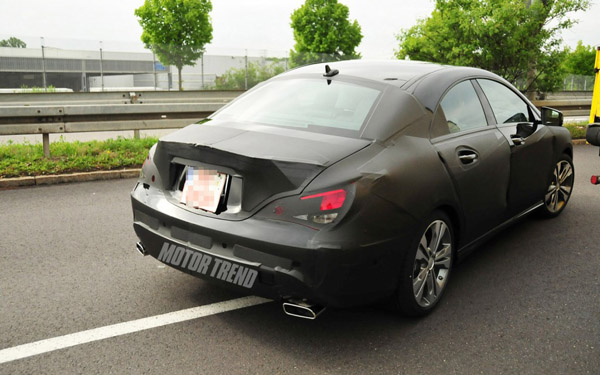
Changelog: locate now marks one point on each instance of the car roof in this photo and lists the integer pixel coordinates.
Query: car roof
(399, 73)
(393, 72)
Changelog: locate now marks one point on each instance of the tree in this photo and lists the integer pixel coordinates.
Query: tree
(323, 33)
(581, 60)
(235, 79)
(176, 30)
(517, 39)
(13, 42)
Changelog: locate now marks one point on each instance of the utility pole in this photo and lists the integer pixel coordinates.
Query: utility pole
(246, 65)
(101, 67)
(43, 63)
(202, 69)
(154, 68)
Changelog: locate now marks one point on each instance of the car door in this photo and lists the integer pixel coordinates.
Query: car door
(530, 144)
(477, 157)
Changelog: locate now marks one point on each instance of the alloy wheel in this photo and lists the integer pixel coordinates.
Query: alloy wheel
(560, 188)
(432, 263)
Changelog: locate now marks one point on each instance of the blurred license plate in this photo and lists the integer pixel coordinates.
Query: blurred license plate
(203, 188)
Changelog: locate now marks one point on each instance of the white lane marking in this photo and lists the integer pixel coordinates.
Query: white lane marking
(101, 333)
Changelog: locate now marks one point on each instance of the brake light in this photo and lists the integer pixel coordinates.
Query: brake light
(330, 199)
(595, 180)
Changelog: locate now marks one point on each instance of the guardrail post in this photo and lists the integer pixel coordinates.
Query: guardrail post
(46, 144)
(136, 133)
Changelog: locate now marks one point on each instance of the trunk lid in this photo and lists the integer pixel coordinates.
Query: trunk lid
(265, 162)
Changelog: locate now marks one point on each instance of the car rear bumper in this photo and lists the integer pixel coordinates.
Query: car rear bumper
(270, 258)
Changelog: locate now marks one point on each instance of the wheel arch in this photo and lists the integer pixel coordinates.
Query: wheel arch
(569, 152)
(456, 222)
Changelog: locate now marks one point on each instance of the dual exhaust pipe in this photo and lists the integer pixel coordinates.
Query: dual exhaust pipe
(299, 309)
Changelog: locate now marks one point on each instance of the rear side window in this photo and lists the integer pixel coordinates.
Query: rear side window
(507, 106)
(462, 108)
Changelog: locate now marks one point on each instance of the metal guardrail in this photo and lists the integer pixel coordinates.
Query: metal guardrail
(569, 107)
(45, 113)
(116, 97)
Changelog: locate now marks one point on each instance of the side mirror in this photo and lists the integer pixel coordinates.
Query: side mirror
(524, 130)
(551, 117)
(593, 134)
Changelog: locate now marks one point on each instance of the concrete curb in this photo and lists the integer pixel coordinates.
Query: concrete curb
(7, 183)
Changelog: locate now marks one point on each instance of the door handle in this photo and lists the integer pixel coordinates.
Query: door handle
(467, 157)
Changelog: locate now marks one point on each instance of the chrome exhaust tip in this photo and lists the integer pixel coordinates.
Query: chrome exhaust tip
(302, 309)
(140, 248)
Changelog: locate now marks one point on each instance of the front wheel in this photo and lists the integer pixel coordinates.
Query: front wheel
(560, 187)
(425, 270)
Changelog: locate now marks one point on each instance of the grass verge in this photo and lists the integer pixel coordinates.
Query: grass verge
(577, 129)
(17, 160)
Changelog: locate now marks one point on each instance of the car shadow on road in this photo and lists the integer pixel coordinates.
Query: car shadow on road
(493, 292)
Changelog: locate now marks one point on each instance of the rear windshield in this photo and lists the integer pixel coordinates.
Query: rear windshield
(312, 104)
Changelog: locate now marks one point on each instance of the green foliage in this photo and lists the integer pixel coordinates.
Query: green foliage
(235, 79)
(176, 30)
(581, 60)
(323, 33)
(13, 42)
(28, 159)
(36, 89)
(520, 42)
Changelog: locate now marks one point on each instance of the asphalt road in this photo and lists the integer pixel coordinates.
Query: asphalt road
(527, 302)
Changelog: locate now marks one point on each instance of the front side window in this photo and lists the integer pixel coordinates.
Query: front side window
(462, 108)
(507, 106)
(313, 104)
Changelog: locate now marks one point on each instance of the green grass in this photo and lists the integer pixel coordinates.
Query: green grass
(27, 159)
(577, 129)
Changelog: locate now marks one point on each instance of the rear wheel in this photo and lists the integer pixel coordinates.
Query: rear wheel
(425, 270)
(560, 187)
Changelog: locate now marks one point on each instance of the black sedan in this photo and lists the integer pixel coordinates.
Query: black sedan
(351, 183)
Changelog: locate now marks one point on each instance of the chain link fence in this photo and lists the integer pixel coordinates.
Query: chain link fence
(573, 82)
(123, 66)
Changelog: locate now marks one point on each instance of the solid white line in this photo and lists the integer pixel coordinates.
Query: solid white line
(101, 333)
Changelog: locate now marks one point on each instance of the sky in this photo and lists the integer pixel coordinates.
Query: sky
(262, 27)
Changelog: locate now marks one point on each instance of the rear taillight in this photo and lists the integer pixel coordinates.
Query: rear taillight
(319, 208)
(330, 200)
(595, 180)
(148, 172)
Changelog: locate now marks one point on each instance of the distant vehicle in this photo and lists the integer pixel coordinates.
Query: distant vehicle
(125, 89)
(33, 90)
(350, 184)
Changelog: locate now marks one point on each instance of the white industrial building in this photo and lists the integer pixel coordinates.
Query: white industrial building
(81, 70)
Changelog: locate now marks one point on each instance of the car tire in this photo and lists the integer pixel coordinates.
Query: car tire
(426, 267)
(560, 188)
